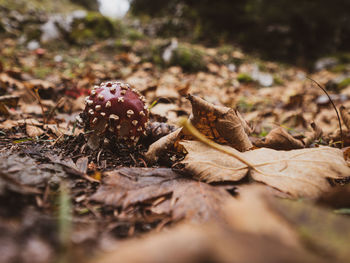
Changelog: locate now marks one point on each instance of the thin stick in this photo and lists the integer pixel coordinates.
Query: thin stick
(335, 108)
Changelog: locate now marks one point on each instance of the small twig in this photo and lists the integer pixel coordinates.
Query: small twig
(335, 108)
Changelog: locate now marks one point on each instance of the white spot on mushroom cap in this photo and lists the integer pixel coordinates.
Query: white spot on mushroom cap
(134, 122)
(91, 112)
(114, 117)
(108, 104)
(121, 99)
(101, 97)
(94, 120)
(98, 107)
(129, 113)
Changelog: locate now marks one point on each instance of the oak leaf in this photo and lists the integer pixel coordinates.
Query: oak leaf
(302, 172)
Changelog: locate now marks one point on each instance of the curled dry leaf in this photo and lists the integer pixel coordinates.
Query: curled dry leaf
(184, 198)
(316, 134)
(33, 131)
(279, 139)
(165, 143)
(345, 115)
(301, 173)
(221, 124)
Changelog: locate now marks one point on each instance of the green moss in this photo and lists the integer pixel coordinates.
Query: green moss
(133, 34)
(151, 51)
(90, 28)
(33, 32)
(244, 78)
(344, 83)
(188, 58)
(46, 6)
(243, 105)
(278, 81)
(340, 68)
(225, 56)
(41, 72)
(123, 45)
(225, 50)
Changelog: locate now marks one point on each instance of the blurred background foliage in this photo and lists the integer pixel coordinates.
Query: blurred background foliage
(294, 31)
(298, 32)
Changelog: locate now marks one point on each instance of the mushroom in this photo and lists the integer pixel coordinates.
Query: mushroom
(115, 109)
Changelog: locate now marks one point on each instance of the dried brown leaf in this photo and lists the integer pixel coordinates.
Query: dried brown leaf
(252, 212)
(8, 124)
(345, 115)
(301, 172)
(327, 232)
(189, 199)
(279, 139)
(9, 100)
(33, 131)
(221, 124)
(188, 243)
(162, 145)
(314, 135)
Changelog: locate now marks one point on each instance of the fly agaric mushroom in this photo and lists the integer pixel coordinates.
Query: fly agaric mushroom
(115, 109)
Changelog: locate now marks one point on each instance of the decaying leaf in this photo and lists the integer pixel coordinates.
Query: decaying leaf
(301, 172)
(185, 198)
(253, 213)
(8, 124)
(188, 243)
(316, 134)
(279, 139)
(7, 101)
(345, 115)
(326, 232)
(33, 131)
(221, 124)
(250, 219)
(162, 145)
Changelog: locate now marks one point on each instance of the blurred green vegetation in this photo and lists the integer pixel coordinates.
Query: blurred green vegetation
(92, 26)
(294, 31)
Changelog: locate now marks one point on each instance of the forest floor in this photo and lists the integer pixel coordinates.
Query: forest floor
(283, 197)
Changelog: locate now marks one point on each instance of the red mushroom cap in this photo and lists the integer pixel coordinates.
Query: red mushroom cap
(113, 108)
